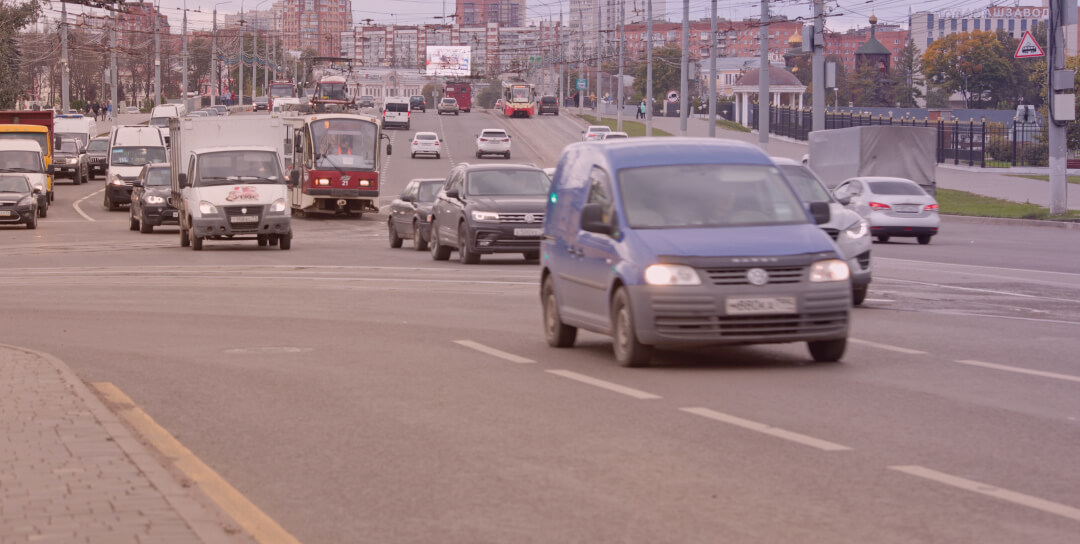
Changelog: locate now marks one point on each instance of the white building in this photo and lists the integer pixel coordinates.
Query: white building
(926, 26)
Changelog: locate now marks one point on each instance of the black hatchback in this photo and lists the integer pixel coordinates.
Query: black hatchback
(18, 201)
(150, 199)
(548, 104)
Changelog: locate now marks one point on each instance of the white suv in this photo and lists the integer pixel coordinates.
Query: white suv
(594, 132)
(425, 142)
(493, 141)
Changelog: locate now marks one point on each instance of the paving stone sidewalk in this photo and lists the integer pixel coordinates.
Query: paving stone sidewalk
(70, 472)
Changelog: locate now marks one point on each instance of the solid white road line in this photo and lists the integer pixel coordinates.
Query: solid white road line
(887, 347)
(77, 202)
(974, 289)
(493, 352)
(628, 391)
(1019, 370)
(823, 445)
(991, 491)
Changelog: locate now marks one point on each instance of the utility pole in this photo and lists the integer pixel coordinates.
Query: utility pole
(157, 58)
(648, 70)
(183, 59)
(763, 78)
(684, 83)
(622, 38)
(65, 83)
(266, 65)
(599, 59)
(712, 72)
(240, 63)
(254, 58)
(1062, 106)
(818, 67)
(112, 66)
(581, 62)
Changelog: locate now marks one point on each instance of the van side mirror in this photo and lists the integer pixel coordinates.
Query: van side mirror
(592, 220)
(298, 146)
(820, 212)
(294, 178)
(389, 149)
(182, 180)
(50, 170)
(36, 190)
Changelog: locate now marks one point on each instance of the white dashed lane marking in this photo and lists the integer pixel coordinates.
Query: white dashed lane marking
(622, 389)
(493, 352)
(823, 445)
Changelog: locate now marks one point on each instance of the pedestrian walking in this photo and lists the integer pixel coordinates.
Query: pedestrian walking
(108, 109)
(97, 110)
(641, 110)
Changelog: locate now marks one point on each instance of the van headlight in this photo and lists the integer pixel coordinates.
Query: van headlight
(485, 216)
(207, 208)
(671, 274)
(279, 206)
(858, 229)
(115, 180)
(829, 270)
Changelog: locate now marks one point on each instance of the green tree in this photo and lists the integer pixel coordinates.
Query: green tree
(13, 17)
(667, 72)
(871, 87)
(974, 64)
(907, 75)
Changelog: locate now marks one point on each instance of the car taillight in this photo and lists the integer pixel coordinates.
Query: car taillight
(931, 207)
(414, 142)
(483, 139)
(436, 143)
(879, 206)
(506, 139)
(590, 136)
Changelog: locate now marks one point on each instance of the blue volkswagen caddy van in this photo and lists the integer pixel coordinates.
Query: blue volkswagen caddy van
(684, 241)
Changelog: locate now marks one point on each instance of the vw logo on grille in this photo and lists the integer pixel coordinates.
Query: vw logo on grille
(757, 276)
(530, 218)
(243, 210)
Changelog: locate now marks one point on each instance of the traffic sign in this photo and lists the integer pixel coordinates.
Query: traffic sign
(1029, 48)
(582, 84)
(673, 96)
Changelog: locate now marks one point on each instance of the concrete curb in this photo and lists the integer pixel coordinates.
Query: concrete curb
(1006, 221)
(203, 523)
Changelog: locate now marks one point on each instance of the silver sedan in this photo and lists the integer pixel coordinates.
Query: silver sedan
(892, 206)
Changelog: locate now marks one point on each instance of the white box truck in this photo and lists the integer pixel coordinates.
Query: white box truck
(892, 151)
(228, 180)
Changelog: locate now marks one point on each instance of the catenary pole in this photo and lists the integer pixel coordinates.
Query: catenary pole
(1058, 144)
(184, 59)
(157, 58)
(763, 79)
(684, 77)
(65, 71)
(648, 70)
(818, 68)
(712, 72)
(112, 67)
(622, 39)
(599, 60)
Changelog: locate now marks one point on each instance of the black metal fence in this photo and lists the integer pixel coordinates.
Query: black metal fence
(973, 143)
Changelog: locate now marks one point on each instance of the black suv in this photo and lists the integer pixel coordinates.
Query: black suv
(97, 153)
(418, 103)
(70, 161)
(485, 209)
(548, 104)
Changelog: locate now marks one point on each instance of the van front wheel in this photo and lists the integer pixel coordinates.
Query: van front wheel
(558, 335)
(827, 351)
(628, 351)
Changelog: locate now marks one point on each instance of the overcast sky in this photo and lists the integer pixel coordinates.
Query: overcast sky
(843, 13)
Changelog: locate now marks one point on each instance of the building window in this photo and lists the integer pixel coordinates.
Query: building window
(1023, 25)
(930, 20)
(1012, 25)
(963, 26)
(977, 23)
(941, 25)
(1001, 24)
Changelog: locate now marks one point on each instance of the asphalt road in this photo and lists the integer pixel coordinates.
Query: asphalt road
(360, 393)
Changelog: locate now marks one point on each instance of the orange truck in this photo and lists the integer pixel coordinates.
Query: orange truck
(28, 125)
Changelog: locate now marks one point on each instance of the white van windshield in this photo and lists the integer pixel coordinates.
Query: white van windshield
(707, 195)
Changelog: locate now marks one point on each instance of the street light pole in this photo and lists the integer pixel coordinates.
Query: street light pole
(240, 61)
(712, 72)
(184, 59)
(157, 58)
(648, 71)
(763, 78)
(214, 71)
(112, 68)
(684, 84)
(622, 38)
(65, 83)
(599, 81)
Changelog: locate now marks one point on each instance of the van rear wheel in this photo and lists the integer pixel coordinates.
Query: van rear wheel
(628, 350)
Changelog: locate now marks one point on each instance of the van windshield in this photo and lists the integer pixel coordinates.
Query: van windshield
(805, 184)
(41, 138)
(228, 167)
(20, 161)
(159, 122)
(707, 195)
(137, 156)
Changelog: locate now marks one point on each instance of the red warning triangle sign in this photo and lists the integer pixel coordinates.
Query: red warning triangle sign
(1028, 48)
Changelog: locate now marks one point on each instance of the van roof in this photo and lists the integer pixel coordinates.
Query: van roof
(20, 145)
(639, 152)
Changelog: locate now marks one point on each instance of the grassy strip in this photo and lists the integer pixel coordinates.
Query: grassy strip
(965, 203)
(632, 128)
(1040, 177)
(731, 125)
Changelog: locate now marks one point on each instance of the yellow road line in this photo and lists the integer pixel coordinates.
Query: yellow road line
(256, 522)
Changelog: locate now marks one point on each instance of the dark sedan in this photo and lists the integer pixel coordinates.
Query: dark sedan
(18, 201)
(70, 161)
(97, 157)
(262, 104)
(409, 213)
(150, 199)
(485, 209)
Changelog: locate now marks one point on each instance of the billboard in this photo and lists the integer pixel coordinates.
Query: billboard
(449, 60)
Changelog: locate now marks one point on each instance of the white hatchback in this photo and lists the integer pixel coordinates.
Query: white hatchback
(426, 142)
(594, 132)
(493, 141)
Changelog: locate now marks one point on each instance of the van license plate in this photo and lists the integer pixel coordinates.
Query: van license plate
(5, 213)
(244, 219)
(528, 232)
(760, 305)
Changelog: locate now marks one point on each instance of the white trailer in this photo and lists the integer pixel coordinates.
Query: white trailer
(892, 151)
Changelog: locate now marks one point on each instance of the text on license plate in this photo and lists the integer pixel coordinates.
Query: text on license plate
(244, 219)
(907, 208)
(760, 305)
(5, 213)
(528, 232)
